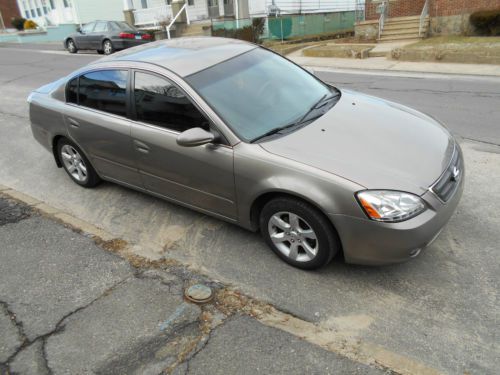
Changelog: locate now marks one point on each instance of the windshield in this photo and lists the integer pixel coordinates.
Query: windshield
(258, 92)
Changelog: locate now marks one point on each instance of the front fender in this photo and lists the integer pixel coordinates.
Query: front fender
(258, 172)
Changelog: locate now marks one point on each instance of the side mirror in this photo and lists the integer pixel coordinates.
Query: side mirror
(195, 137)
(79, 30)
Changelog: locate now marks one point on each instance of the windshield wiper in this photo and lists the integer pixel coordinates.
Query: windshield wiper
(320, 103)
(275, 131)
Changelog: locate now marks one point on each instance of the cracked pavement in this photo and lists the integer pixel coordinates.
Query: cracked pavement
(70, 307)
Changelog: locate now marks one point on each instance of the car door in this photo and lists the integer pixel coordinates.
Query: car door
(82, 37)
(97, 35)
(96, 119)
(201, 177)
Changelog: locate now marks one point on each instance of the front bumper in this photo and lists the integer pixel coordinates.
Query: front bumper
(369, 242)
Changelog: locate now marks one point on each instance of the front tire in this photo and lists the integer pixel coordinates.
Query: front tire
(76, 165)
(298, 233)
(71, 46)
(107, 47)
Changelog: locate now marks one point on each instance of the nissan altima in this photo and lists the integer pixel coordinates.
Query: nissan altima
(238, 132)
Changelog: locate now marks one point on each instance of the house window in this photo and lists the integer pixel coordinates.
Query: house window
(52, 5)
(66, 3)
(144, 4)
(33, 14)
(190, 2)
(39, 12)
(168, 2)
(27, 14)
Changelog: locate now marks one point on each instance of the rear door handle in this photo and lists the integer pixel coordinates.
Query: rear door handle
(73, 123)
(141, 147)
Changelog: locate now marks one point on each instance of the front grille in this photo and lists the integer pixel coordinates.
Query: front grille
(448, 183)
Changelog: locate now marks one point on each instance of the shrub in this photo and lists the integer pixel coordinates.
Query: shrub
(18, 23)
(30, 25)
(486, 22)
(251, 33)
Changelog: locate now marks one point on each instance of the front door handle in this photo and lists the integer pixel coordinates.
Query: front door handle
(141, 147)
(73, 123)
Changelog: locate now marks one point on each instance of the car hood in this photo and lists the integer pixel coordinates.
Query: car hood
(373, 142)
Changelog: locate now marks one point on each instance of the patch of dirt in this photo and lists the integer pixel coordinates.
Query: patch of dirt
(12, 211)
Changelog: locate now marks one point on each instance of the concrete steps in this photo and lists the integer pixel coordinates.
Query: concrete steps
(403, 28)
(195, 29)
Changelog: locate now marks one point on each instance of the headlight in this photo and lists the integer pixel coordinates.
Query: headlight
(390, 206)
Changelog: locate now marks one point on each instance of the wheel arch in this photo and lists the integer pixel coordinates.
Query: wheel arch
(55, 141)
(260, 201)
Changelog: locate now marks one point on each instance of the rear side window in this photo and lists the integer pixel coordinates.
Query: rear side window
(72, 91)
(101, 27)
(161, 103)
(105, 90)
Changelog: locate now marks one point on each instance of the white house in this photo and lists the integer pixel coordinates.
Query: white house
(55, 12)
(149, 13)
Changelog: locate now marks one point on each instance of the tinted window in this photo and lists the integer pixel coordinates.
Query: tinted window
(104, 90)
(72, 94)
(159, 102)
(101, 27)
(258, 91)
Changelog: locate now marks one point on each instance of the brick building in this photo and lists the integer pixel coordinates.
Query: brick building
(445, 16)
(8, 10)
(437, 8)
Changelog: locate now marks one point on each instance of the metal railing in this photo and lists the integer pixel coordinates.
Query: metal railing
(423, 17)
(152, 16)
(184, 8)
(384, 12)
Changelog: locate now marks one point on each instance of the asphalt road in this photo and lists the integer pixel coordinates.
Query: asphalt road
(441, 308)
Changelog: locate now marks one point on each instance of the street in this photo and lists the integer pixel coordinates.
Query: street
(440, 309)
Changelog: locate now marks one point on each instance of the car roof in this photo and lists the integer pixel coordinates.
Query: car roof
(184, 56)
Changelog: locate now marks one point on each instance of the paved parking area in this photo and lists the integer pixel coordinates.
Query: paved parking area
(441, 308)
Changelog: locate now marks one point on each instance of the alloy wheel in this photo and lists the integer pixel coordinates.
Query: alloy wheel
(74, 164)
(108, 47)
(293, 236)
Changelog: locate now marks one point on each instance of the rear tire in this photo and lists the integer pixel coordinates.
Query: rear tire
(298, 233)
(107, 47)
(76, 164)
(71, 46)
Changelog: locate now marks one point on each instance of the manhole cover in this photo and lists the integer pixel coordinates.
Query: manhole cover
(199, 293)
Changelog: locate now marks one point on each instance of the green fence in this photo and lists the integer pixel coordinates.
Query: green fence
(287, 26)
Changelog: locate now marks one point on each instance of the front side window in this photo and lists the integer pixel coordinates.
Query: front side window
(161, 103)
(104, 90)
(88, 28)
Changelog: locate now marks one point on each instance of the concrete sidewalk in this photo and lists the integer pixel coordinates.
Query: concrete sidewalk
(68, 306)
(383, 64)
